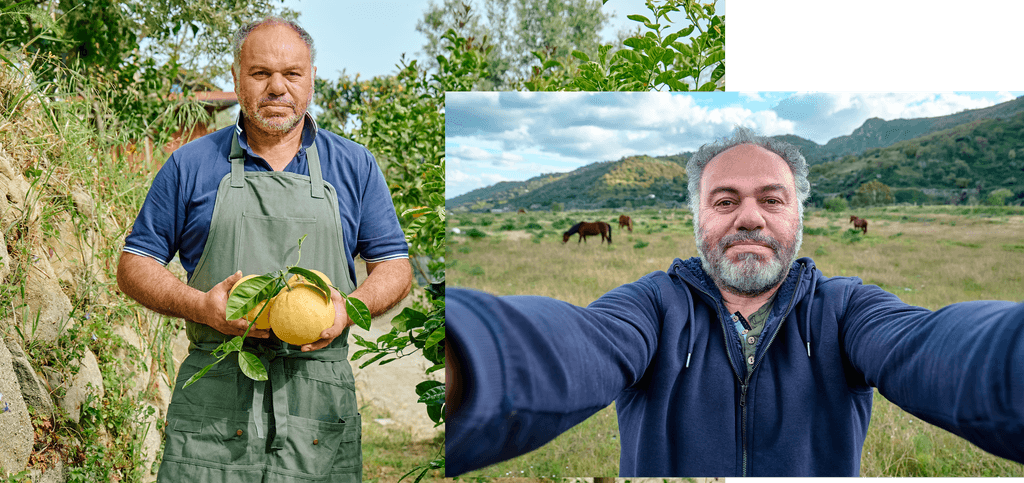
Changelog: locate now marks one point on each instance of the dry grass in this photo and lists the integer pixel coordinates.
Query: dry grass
(928, 256)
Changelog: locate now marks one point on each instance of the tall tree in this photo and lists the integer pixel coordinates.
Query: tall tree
(513, 29)
(130, 54)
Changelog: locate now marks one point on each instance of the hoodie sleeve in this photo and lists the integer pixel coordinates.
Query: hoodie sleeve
(533, 367)
(960, 368)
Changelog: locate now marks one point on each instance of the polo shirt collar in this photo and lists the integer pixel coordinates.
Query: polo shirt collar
(309, 131)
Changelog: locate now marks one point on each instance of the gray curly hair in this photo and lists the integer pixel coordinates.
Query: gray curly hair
(243, 33)
(788, 152)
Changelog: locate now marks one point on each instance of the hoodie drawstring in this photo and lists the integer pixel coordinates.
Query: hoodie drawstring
(693, 330)
(807, 315)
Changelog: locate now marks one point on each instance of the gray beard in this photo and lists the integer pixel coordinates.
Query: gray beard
(751, 275)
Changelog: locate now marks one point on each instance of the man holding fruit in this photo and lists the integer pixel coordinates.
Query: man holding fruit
(237, 201)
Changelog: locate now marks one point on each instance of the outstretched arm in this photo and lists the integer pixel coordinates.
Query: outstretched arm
(156, 288)
(529, 368)
(960, 368)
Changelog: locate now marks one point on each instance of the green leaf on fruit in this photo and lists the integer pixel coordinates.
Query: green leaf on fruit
(358, 312)
(248, 294)
(251, 366)
(312, 277)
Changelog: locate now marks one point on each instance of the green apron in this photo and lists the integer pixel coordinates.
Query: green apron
(303, 423)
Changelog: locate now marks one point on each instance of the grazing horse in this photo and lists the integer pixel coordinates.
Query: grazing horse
(625, 221)
(859, 223)
(522, 211)
(585, 229)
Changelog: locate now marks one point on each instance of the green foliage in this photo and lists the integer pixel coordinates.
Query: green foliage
(556, 207)
(836, 204)
(640, 244)
(475, 233)
(661, 58)
(998, 197)
(134, 63)
(873, 193)
(509, 30)
(852, 235)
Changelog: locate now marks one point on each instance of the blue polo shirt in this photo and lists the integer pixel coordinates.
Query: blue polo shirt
(176, 216)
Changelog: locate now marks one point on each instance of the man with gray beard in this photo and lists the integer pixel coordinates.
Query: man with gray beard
(745, 361)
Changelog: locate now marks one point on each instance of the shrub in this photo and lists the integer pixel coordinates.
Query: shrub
(998, 197)
(836, 204)
(640, 244)
(475, 233)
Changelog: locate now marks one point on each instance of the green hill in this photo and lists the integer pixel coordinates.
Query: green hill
(964, 155)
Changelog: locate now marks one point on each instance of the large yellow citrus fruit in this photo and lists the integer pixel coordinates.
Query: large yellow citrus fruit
(299, 315)
(263, 321)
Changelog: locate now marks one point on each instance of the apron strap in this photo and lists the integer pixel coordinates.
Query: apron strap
(315, 177)
(237, 158)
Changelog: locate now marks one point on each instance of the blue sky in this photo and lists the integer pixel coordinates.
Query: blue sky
(510, 136)
(369, 37)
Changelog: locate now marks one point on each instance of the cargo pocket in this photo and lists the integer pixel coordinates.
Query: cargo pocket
(320, 449)
(320, 390)
(208, 438)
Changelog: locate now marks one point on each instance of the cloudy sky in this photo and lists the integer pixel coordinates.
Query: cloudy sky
(512, 136)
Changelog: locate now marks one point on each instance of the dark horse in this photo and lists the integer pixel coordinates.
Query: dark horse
(859, 223)
(625, 221)
(586, 229)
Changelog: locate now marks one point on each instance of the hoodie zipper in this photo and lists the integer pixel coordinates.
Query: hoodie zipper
(745, 382)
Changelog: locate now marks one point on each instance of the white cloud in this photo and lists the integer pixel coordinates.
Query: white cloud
(752, 96)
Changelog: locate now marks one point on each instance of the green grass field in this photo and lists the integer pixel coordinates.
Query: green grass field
(928, 256)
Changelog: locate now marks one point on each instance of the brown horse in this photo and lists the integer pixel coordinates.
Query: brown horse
(585, 229)
(522, 211)
(625, 221)
(859, 223)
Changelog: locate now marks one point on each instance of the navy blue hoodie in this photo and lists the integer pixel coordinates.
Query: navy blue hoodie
(663, 349)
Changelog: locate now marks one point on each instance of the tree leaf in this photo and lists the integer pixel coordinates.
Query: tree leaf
(435, 337)
(632, 42)
(717, 56)
(311, 276)
(251, 366)
(373, 359)
(676, 85)
(435, 368)
(195, 377)
(358, 312)
(408, 319)
(638, 18)
(425, 386)
(551, 63)
(434, 395)
(247, 295)
(581, 55)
